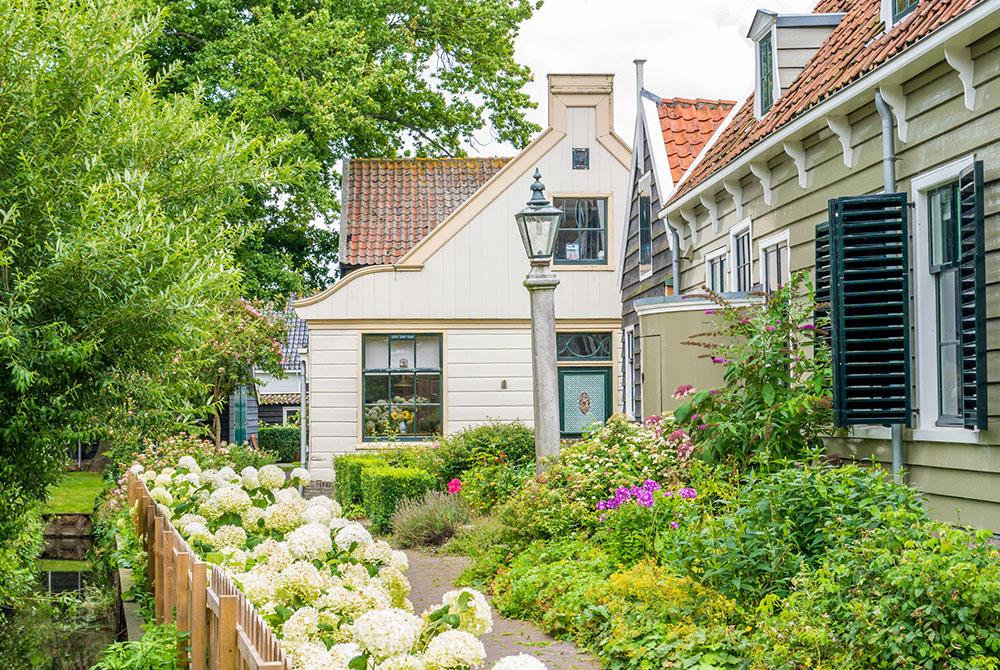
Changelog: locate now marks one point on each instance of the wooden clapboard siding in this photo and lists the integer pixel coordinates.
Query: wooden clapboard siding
(960, 480)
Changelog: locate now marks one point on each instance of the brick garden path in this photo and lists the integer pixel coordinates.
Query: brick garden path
(432, 574)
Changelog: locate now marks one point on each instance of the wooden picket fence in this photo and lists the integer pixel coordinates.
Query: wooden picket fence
(222, 629)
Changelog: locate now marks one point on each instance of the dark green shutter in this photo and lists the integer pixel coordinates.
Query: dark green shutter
(972, 276)
(823, 268)
(869, 309)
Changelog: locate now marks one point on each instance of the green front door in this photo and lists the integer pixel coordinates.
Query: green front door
(584, 398)
(240, 416)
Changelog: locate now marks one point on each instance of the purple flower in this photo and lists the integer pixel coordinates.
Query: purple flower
(807, 326)
(687, 492)
(702, 426)
(651, 485)
(714, 392)
(770, 329)
(674, 524)
(710, 311)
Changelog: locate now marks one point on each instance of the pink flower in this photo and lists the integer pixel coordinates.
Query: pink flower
(683, 391)
(710, 311)
(702, 426)
(770, 329)
(454, 486)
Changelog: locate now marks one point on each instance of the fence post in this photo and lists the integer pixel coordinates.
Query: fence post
(169, 574)
(199, 615)
(227, 632)
(157, 553)
(149, 537)
(182, 586)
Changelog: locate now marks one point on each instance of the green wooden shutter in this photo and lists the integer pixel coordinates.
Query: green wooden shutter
(869, 309)
(822, 265)
(972, 278)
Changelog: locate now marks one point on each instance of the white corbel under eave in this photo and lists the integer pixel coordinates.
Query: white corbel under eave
(960, 60)
(709, 203)
(692, 223)
(735, 189)
(677, 223)
(797, 153)
(763, 174)
(897, 101)
(841, 127)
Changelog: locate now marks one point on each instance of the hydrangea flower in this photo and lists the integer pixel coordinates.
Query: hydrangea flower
(519, 662)
(387, 632)
(250, 479)
(162, 495)
(300, 579)
(271, 477)
(310, 542)
(353, 534)
(230, 536)
(455, 648)
(189, 463)
(476, 618)
(300, 477)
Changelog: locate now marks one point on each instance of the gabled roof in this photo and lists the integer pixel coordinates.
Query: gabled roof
(296, 338)
(855, 47)
(687, 127)
(390, 205)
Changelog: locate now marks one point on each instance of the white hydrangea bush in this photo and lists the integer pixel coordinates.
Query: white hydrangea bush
(336, 596)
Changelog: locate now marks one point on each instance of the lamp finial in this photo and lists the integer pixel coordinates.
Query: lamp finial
(538, 190)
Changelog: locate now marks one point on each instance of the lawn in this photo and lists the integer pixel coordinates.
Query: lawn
(75, 494)
(55, 565)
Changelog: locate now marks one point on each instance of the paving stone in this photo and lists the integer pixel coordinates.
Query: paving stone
(432, 574)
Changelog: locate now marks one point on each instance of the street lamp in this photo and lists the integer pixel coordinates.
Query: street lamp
(538, 224)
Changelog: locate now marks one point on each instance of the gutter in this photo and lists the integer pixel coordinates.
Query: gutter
(986, 13)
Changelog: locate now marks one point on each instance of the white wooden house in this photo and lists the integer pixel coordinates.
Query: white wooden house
(428, 332)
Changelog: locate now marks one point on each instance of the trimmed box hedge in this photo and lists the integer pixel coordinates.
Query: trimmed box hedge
(383, 488)
(347, 476)
(282, 441)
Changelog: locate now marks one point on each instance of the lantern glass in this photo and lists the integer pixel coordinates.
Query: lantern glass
(538, 232)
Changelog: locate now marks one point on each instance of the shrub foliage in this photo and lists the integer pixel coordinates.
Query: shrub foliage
(430, 520)
(384, 488)
(281, 440)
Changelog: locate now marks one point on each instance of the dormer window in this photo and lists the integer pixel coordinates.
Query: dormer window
(765, 73)
(893, 11)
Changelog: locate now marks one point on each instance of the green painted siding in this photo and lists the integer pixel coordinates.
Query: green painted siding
(962, 481)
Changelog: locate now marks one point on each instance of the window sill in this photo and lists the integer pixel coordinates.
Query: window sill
(584, 267)
(932, 434)
(398, 444)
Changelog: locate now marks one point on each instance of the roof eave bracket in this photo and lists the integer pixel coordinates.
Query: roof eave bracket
(893, 94)
(961, 61)
(841, 127)
(797, 153)
(763, 174)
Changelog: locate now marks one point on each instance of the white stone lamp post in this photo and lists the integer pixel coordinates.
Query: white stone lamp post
(538, 224)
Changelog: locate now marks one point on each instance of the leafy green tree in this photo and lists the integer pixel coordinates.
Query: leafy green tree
(344, 78)
(114, 242)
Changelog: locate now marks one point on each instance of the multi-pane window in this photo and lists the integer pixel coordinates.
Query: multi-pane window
(741, 261)
(901, 8)
(583, 232)
(945, 257)
(645, 225)
(402, 386)
(774, 265)
(765, 69)
(585, 395)
(715, 271)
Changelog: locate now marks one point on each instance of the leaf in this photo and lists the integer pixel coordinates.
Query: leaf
(768, 394)
(359, 662)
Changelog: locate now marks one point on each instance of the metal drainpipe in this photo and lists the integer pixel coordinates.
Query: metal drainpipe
(303, 419)
(889, 178)
(675, 260)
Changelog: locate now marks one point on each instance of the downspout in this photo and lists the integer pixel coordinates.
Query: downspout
(889, 179)
(675, 257)
(303, 418)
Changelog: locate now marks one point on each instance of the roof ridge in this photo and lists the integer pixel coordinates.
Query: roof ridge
(428, 159)
(696, 101)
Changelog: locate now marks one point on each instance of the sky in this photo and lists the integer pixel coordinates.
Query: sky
(693, 48)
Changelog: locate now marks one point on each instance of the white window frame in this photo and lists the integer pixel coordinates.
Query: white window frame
(770, 241)
(645, 186)
(771, 30)
(285, 412)
(925, 325)
(628, 371)
(711, 256)
(886, 12)
(744, 226)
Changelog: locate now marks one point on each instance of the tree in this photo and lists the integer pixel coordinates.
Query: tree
(244, 340)
(344, 78)
(114, 243)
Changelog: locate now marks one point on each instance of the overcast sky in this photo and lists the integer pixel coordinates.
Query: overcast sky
(693, 48)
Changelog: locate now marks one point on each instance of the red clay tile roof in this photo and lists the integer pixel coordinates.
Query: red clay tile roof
(390, 205)
(687, 126)
(855, 47)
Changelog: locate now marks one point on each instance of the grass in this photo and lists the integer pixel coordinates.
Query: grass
(75, 494)
(53, 565)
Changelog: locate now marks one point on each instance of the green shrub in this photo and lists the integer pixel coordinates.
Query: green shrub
(910, 595)
(755, 543)
(649, 617)
(155, 650)
(347, 476)
(548, 583)
(491, 443)
(429, 520)
(17, 558)
(775, 402)
(486, 486)
(384, 487)
(487, 543)
(281, 440)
